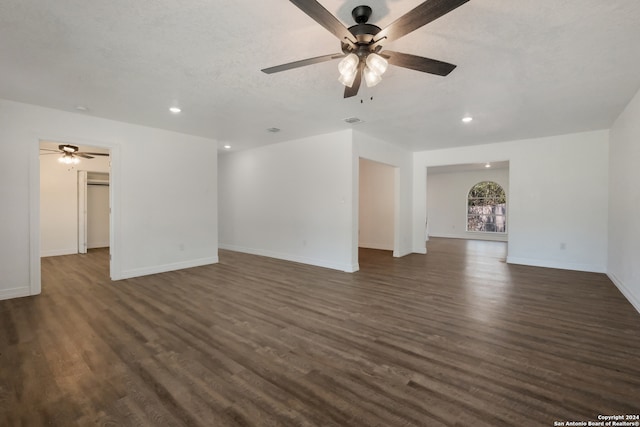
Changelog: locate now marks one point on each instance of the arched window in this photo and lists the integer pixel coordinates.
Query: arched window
(487, 208)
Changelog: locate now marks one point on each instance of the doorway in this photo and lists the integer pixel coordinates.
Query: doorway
(452, 210)
(93, 210)
(73, 215)
(378, 206)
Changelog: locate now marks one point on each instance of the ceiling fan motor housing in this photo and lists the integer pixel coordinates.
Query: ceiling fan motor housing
(67, 148)
(362, 32)
(361, 14)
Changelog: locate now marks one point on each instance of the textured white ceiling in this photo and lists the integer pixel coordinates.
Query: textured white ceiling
(526, 68)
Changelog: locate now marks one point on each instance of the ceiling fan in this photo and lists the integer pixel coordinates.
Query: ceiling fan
(362, 43)
(70, 153)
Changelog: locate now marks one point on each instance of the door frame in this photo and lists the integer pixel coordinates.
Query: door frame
(85, 183)
(82, 211)
(396, 205)
(115, 269)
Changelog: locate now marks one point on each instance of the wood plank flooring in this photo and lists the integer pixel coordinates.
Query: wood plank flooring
(456, 337)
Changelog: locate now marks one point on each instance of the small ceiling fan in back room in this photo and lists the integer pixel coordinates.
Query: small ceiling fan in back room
(362, 54)
(70, 153)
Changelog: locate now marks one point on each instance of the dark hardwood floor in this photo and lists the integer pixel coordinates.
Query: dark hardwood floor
(455, 337)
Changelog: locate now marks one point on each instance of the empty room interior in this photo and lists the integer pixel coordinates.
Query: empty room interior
(320, 213)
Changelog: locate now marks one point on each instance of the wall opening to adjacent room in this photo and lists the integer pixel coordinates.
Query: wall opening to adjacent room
(450, 212)
(378, 205)
(75, 200)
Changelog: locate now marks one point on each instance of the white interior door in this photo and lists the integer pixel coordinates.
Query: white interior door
(82, 212)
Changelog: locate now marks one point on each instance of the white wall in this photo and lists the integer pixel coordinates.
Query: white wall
(298, 200)
(291, 200)
(366, 147)
(376, 206)
(59, 202)
(164, 185)
(567, 173)
(97, 216)
(624, 202)
(447, 202)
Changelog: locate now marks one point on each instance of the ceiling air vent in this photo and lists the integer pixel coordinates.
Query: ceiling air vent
(352, 120)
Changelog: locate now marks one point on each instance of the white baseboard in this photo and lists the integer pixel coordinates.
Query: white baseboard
(396, 254)
(14, 293)
(380, 246)
(349, 268)
(624, 289)
(98, 245)
(590, 268)
(58, 252)
(419, 250)
(474, 236)
(145, 271)
(401, 253)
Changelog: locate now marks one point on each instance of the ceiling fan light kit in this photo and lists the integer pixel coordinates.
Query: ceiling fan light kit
(371, 77)
(349, 78)
(69, 159)
(349, 64)
(361, 44)
(375, 67)
(377, 63)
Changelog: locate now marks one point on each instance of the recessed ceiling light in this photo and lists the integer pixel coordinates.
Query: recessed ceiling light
(82, 108)
(352, 120)
(174, 110)
(227, 146)
(487, 165)
(467, 119)
(273, 130)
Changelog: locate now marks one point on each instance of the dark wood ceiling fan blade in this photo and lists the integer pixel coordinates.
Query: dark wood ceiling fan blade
(323, 17)
(421, 15)
(94, 154)
(353, 90)
(83, 155)
(49, 149)
(418, 63)
(302, 63)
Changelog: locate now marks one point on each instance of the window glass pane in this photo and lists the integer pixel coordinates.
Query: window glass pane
(486, 208)
(474, 223)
